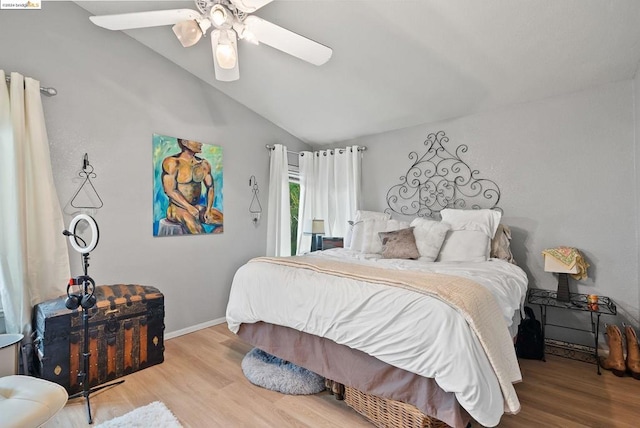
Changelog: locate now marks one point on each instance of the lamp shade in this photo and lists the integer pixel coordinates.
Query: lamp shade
(563, 261)
(315, 227)
(551, 264)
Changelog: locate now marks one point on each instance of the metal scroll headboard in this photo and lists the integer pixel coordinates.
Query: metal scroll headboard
(440, 179)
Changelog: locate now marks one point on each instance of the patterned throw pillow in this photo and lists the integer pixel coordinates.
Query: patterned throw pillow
(399, 244)
(501, 244)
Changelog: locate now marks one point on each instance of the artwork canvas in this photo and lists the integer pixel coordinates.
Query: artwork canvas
(187, 187)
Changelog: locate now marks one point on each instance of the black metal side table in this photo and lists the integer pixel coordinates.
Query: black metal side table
(577, 302)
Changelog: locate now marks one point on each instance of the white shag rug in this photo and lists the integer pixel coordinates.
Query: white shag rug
(155, 415)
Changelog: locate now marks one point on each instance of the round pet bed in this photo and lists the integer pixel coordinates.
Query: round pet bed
(276, 374)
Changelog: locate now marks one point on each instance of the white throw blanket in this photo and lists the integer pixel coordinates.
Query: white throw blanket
(407, 329)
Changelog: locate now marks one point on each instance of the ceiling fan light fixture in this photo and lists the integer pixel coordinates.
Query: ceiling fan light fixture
(204, 25)
(188, 32)
(219, 15)
(245, 34)
(251, 38)
(226, 56)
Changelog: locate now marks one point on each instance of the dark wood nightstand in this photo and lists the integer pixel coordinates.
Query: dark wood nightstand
(332, 242)
(577, 302)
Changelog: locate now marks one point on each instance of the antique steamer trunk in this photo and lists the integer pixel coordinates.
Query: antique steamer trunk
(126, 334)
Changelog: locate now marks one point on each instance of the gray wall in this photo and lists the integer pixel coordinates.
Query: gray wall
(636, 110)
(566, 165)
(566, 169)
(114, 94)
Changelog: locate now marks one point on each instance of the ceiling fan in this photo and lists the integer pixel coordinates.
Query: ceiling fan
(228, 20)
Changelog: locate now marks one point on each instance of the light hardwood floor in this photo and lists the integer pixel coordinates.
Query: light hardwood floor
(202, 383)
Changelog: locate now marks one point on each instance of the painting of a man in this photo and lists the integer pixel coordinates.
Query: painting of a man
(188, 202)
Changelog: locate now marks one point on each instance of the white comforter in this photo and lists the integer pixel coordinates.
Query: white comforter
(405, 329)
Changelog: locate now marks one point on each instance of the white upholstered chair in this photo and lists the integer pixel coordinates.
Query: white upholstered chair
(25, 402)
(29, 402)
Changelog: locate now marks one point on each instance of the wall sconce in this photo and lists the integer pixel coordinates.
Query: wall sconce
(255, 209)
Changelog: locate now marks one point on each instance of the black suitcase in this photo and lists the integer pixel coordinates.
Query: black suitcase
(126, 334)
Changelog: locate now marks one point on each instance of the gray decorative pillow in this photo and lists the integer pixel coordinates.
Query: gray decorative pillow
(399, 244)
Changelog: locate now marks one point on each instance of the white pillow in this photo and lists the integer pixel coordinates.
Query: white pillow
(365, 234)
(362, 215)
(430, 235)
(470, 237)
(485, 221)
(394, 224)
(465, 246)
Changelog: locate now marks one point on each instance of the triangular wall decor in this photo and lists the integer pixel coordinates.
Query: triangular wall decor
(86, 196)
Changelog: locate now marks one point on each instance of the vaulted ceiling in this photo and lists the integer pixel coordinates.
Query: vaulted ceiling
(399, 63)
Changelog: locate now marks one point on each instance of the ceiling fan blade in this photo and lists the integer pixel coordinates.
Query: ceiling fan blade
(288, 41)
(225, 74)
(249, 6)
(156, 18)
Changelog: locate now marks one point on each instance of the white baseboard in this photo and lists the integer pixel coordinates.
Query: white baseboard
(193, 328)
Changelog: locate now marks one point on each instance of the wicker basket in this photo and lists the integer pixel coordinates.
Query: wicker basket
(385, 413)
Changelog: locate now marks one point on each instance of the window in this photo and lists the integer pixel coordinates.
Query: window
(294, 200)
(3, 328)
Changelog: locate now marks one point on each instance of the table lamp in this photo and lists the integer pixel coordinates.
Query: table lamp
(551, 264)
(315, 228)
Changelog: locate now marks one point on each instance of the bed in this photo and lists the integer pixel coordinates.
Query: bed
(431, 326)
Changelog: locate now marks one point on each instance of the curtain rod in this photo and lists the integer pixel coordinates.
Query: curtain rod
(47, 91)
(269, 147)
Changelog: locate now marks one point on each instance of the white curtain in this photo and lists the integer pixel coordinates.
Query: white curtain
(34, 262)
(279, 210)
(307, 202)
(330, 190)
